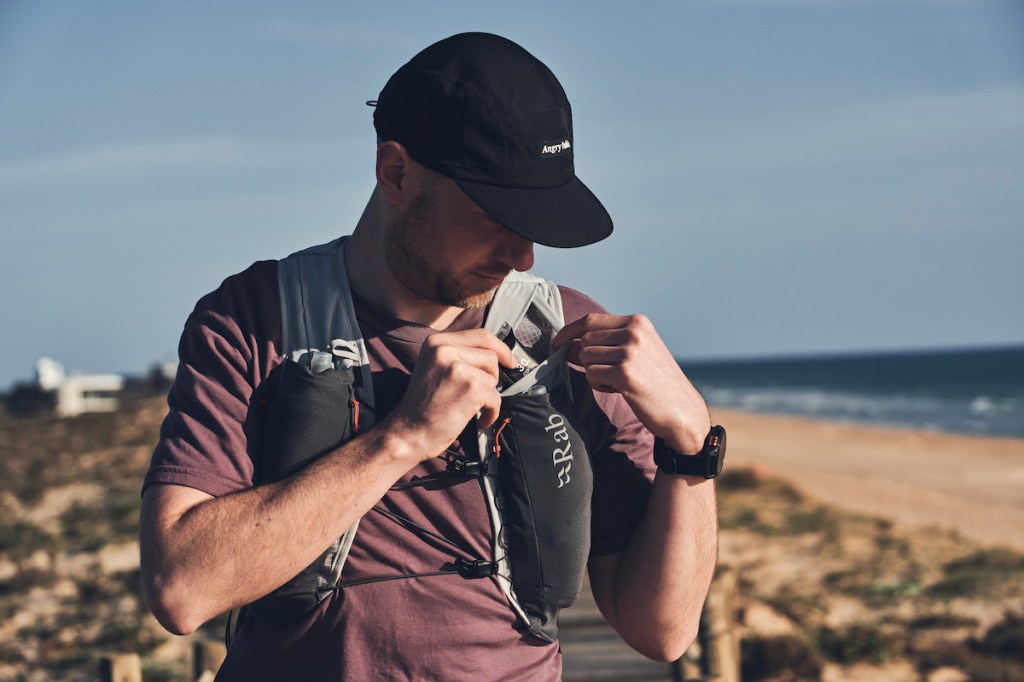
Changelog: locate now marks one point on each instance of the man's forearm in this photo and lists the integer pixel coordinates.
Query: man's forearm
(653, 593)
(202, 556)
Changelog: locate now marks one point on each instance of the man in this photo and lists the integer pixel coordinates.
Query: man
(474, 165)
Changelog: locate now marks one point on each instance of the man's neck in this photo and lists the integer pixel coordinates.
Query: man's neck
(372, 279)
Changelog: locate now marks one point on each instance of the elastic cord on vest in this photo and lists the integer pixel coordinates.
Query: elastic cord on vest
(497, 442)
(466, 565)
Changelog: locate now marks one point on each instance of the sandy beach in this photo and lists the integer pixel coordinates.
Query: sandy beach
(969, 484)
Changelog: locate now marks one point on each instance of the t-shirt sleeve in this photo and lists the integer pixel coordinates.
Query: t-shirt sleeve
(620, 447)
(227, 348)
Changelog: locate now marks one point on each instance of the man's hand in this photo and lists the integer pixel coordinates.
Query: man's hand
(453, 382)
(652, 592)
(625, 355)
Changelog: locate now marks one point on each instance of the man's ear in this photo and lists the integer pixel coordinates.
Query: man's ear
(394, 166)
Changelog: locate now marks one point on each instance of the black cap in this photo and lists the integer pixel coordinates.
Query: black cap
(486, 113)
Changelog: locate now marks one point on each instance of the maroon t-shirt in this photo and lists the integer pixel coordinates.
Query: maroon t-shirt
(431, 627)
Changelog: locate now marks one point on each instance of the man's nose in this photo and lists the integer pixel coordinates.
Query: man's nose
(517, 252)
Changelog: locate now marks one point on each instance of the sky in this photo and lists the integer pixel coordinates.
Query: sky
(786, 176)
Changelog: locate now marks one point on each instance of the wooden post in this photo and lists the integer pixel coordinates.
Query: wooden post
(718, 631)
(689, 666)
(207, 655)
(716, 653)
(123, 668)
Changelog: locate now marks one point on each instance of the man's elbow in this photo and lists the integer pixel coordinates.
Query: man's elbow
(666, 647)
(171, 605)
(674, 650)
(169, 585)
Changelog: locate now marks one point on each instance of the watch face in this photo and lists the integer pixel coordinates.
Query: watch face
(716, 438)
(715, 448)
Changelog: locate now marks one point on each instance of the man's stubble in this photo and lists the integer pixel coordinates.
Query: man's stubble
(415, 258)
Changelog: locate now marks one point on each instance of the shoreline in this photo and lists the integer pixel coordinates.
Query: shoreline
(970, 484)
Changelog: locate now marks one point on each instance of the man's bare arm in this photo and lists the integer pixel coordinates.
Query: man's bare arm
(653, 592)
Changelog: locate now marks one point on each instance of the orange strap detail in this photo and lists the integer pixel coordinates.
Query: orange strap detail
(497, 443)
(354, 404)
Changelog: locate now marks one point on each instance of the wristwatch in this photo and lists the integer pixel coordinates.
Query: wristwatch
(707, 463)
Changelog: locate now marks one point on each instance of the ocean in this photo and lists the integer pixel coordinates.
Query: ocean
(978, 392)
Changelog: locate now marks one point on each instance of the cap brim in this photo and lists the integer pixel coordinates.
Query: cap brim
(564, 217)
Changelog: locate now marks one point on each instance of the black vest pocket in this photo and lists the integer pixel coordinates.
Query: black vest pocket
(545, 486)
(306, 416)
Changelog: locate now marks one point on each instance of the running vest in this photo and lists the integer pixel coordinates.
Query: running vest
(534, 470)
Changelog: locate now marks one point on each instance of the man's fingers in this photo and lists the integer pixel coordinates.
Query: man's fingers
(602, 355)
(569, 332)
(588, 323)
(603, 346)
(573, 356)
(484, 360)
(476, 339)
(604, 378)
(489, 411)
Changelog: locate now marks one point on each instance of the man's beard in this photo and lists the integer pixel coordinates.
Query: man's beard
(408, 244)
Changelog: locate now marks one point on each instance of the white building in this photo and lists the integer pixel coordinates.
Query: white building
(78, 393)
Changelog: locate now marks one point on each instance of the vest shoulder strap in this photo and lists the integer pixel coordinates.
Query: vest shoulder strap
(512, 301)
(317, 315)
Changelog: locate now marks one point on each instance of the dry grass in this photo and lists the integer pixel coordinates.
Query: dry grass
(69, 496)
(859, 591)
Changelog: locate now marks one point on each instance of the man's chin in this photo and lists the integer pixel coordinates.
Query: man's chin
(477, 300)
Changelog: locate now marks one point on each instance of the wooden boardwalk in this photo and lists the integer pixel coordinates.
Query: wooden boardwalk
(592, 650)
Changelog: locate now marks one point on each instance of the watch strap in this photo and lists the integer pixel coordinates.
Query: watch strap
(707, 463)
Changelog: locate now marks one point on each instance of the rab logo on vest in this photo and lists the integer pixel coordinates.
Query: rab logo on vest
(560, 455)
